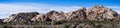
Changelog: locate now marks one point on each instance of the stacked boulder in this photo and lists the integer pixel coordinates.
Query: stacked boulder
(21, 16)
(39, 17)
(100, 12)
(77, 15)
(56, 16)
(96, 13)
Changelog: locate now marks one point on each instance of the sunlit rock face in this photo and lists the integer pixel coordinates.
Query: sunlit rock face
(56, 16)
(77, 15)
(21, 16)
(97, 12)
(100, 12)
(40, 17)
(10, 18)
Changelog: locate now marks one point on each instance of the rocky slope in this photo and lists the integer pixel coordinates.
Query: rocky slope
(21, 16)
(100, 12)
(95, 13)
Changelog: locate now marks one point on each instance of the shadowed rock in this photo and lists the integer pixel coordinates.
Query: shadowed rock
(77, 15)
(56, 16)
(97, 12)
(100, 12)
(40, 17)
(21, 16)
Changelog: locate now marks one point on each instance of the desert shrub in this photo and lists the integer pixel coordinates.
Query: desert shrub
(67, 25)
(6, 26)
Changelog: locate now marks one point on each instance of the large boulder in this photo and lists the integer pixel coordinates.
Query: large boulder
(99, 12)
(77, 15)
(40, 17)
(10, 18)
(56, 16)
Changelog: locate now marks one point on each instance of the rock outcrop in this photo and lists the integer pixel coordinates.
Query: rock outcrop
(40, 17)
(21, 16)
(100, 12)
(95, 13)
(77, 15)
(56, 16)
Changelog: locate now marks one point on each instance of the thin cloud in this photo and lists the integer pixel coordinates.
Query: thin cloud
(8, 9)
(118, 11)
(116, 8)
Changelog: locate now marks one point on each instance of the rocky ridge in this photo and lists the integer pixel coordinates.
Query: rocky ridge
(95, 13)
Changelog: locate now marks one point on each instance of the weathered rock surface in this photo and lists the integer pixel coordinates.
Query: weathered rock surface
(77, 15)
(40, 17)
(56, 16)
(21, 16)
(95, 13)
(100, 12)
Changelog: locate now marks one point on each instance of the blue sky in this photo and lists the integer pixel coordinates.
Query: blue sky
(67, 2)
(9, 7)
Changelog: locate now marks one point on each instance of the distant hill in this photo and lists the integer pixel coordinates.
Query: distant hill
(97, 13)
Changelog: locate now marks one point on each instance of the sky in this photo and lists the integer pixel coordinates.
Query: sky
(8, 7)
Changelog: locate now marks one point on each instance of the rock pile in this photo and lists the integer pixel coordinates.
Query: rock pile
(95, 13)
(21, 16)
(100, 12)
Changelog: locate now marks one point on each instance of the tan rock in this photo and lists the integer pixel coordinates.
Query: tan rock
(20, 16)
(9, 19)
(77, 15)
(100, 12)
(54, 15)
(40, 17)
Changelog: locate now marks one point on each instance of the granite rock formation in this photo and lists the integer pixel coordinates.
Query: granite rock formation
(77, 15)
(21, 16)
(95, 13)
(100, 13)
(40, 17)
(56, 16)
